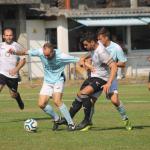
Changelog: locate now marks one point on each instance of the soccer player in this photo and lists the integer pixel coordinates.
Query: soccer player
(117, 53)
(100, 80)
(10, 66)
(54, 63)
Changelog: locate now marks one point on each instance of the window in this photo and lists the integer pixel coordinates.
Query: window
(140, 37)
(51, 36)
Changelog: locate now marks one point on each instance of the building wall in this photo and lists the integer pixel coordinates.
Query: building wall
(36, 39)
(137, 64)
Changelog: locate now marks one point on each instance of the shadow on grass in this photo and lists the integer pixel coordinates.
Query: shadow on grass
(138, 127)
(23, 119)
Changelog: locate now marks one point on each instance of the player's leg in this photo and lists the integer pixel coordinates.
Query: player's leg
(1, 87)
(45, 93)
(149, 82)
(76, 104)
(57, 97)
(118, 104)
(13, 86)
(85, 94)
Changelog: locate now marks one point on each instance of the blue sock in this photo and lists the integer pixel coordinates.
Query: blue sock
(63, 109)
(122, 111)
(49, 110)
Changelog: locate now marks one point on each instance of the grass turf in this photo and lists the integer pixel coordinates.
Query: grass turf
(107, 133)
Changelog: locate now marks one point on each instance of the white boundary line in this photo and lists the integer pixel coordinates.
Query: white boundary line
(68, 100)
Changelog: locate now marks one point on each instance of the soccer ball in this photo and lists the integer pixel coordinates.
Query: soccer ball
(30, 125)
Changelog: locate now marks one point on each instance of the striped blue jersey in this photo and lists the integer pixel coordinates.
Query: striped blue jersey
(53, 68)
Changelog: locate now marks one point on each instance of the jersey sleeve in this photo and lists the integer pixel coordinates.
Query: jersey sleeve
(65, 58)
(34, 52)
(120, 55)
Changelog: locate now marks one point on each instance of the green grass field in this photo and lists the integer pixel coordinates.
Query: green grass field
(108, 132)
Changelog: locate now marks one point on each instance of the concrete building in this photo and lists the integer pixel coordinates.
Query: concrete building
(64, 22)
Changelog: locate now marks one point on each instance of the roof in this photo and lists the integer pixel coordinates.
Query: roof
(114, 21)
(102, 12)
(18, 2)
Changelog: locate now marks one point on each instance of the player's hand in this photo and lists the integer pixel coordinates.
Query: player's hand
(13, 72)
(106, 87)
(11, 51)
(82, 62)
(93, 69)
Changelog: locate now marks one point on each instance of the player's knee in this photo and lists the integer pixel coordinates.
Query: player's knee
(57, 103)
(115, 102)
(41, 105)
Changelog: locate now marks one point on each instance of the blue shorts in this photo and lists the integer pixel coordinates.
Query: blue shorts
(113, 89)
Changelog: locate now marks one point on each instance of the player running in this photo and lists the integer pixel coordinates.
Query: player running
(118, 56)
(10, 66)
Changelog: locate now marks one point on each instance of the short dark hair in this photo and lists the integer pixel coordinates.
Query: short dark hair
(89, 37)
(7, 28)
(48, 45)
(104, 31)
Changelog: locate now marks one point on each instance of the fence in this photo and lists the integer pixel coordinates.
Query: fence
(137, 66)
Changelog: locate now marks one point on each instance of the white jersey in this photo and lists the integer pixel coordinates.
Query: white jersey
(8, 61)
(100, 60)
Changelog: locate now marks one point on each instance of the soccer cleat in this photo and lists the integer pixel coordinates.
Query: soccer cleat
(84, 126)
(55, 125)
(71, 127)
(62, 121)
(20, 103)
(127, 124)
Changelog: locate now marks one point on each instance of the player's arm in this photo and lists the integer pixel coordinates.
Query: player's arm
(89, 66)
(113, 70)
(121, 58)
(19, 65)
(84, 58)
(18, 52)
(121, 64)
(107, 59)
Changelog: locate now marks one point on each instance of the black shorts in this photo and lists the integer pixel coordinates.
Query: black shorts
(95, 82)
(12, 83)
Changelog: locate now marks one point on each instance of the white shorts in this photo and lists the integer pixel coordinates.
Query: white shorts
(49, 89)
(113, 89)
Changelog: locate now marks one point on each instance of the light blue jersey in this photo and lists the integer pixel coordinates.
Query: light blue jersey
(53, 68)
(116, 52)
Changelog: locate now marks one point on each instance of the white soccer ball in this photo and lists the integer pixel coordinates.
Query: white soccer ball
(30, 125)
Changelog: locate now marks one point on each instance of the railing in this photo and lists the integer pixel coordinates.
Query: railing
(137, 66)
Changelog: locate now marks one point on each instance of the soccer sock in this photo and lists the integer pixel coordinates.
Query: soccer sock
(93, 100)
(49, 110)
(76, 106)
(63, 109)
(87, 108)
(122, 111)
(18, 97)
(91, 113)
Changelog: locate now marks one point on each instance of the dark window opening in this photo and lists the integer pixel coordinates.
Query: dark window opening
(51, 36)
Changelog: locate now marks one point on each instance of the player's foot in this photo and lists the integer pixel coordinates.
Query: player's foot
(55, 125)
(84, 125)
(90, 123)
(62, 121)
(71, 127)
(20, 103)
(127, 124)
